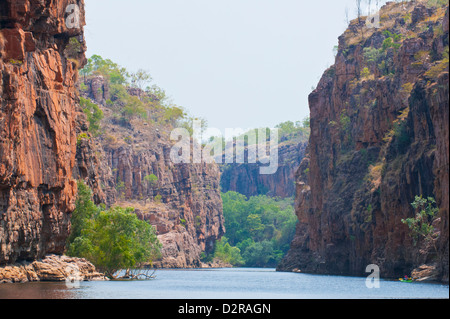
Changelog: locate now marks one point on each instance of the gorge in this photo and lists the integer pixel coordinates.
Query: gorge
(377, 138)
(46, 145)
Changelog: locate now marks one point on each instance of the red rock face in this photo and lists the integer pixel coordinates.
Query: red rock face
(40, 157)
(37, 127)
(184, 204)
(376, 142)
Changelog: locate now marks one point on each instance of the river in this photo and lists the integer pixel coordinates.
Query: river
(237, 283)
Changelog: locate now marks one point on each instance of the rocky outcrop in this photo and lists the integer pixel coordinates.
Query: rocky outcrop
(426, 273)
(247, 180)
(184, 204)
(182, 201)
(37, 125)
(98, 89)
(51, 268)
(379, 137)
(87, 164)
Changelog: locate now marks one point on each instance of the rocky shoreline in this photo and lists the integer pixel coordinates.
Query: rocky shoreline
(52, 268)
(55, 268)
(425, 273)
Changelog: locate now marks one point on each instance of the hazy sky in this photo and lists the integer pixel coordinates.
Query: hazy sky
(236, 63)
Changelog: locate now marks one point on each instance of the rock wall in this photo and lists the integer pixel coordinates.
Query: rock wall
(379, 137)
(38, 110)
(183, 202)
(246, 178)
(42, 154)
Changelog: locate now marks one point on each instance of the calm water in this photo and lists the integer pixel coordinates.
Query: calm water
(239, 283)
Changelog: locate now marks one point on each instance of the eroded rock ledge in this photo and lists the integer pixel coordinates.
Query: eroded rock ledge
(51, 268)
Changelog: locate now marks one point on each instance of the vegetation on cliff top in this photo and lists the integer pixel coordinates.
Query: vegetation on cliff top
(131, 97)
(383, 51)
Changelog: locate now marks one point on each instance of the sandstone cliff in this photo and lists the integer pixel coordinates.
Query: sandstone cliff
(379, 137)
(182, 200)
(247, 180)
(38, 114)
(46, 144)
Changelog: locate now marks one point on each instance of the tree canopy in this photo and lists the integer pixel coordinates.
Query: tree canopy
(113, 239)
(259, 228)
(148, 102)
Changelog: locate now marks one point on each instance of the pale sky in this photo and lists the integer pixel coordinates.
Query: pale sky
(236, 63)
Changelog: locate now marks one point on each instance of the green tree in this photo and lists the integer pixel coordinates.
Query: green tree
(118, 93)
(151, 180)
(157, 93)
(94, 115)
(120, 241)
(134, 107)
(372, 56)
(255, 227)
(421, 226)
(228, 254)
(306, 122)
(392, 41)
(126, 105)
(85, 211)
(261, 254)
(177, 116)
(346, 128)
(365, 73)
(107, 68)
(113, 239)
(140, 78)
(402, 138)
(261, 227)
(289, 129)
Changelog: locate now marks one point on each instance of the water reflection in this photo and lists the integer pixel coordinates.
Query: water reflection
(38, 290)
(239, 283)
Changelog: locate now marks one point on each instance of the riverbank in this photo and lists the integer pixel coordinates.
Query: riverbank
(55, 268)
(180, 263)
(426, 273)
(52, 268)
